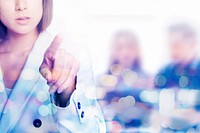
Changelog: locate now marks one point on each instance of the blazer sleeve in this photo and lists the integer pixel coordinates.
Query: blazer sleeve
(83, 107)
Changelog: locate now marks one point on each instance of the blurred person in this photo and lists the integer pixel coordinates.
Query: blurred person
(126, 51)
(124, 82)
(125, 72)
(183, 72)
(126, 62)
(184, 69)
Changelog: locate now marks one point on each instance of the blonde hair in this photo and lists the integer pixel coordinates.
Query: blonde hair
(43, 24)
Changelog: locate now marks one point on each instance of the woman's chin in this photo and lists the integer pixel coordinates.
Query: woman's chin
(23, 31)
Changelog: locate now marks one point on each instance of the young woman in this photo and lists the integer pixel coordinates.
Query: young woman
(126, 60)
(42, 87)
(125, 81)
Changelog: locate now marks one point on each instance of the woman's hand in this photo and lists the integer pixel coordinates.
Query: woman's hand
(59, 68)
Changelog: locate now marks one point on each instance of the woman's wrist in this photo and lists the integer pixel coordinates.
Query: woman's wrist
(63, 99)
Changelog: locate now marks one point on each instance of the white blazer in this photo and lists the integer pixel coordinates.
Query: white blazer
(29, 107)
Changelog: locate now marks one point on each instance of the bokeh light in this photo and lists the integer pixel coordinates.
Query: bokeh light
(43, 110)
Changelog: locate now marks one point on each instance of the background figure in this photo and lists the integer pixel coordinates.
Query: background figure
(184, 69)
(124, 82)
(181, 75)
(126, 62)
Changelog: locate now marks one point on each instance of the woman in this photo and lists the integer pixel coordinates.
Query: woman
(124, 83)
(27, 97)
(126, 63)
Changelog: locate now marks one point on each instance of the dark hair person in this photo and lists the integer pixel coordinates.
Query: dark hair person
(124, 82)
(126, 51)
(41, 89)
(126, 59)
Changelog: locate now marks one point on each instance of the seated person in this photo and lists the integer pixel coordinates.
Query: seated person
(125, 81)
(184, 69)
(125, 62)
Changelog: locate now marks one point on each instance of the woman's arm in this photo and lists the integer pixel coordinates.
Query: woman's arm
(78, 85)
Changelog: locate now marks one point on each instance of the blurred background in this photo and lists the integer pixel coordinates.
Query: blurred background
(145, 56)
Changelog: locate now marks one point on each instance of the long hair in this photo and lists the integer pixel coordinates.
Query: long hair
(136, 64)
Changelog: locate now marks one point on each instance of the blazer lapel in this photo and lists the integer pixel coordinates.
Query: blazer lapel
(25, 87)
(3, 94)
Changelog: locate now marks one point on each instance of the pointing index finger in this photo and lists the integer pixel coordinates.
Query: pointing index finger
(55, 45)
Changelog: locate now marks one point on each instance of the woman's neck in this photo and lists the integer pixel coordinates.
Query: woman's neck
(19, 43)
